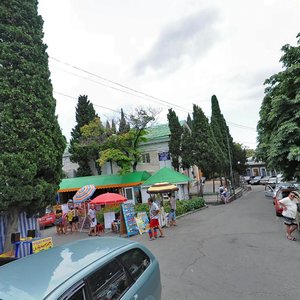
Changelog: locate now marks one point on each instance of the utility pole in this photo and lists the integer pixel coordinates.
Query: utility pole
(230, 165)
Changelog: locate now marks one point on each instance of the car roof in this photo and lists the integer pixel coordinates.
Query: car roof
(36, 276)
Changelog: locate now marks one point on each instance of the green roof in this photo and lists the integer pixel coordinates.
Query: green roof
(166, 175)
(104, 181)
(158, 132)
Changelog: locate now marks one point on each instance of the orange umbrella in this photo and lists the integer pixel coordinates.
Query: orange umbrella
(108, 198)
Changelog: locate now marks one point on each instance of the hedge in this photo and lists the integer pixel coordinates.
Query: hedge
(182, 207)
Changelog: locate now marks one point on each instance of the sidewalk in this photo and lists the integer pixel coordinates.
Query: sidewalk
(59, 239)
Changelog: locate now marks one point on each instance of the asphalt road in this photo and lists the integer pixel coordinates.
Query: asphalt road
(236, 251)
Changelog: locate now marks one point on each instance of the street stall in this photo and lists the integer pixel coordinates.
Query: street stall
(110, 200)
(81, 196)
(162, 188)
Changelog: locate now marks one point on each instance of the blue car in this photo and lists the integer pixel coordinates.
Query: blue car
(95, 268)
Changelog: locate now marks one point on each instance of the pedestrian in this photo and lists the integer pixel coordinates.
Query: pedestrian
(58, 221)
(154, 223)
(93, 220)
(172, 213)
(75, 219)
(223, 194)
(70, 215)
(289, 205)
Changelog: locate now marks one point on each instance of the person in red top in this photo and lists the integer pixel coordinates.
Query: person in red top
(154, 223)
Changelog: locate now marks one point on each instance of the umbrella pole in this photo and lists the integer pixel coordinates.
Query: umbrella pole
(84, 219)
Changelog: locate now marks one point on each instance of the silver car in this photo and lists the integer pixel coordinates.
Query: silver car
(95, 268)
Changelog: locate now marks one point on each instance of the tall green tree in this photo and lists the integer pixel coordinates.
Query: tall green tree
(279, 124)
(205, 148)
(124, 148)
(123, 125)
(189, 121)
(186, 146)
(31, 141)
(175, 138)
(85, 113)
(221, 133)
(239, 158)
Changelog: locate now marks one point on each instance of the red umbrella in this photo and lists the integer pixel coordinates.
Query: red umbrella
(108, 198)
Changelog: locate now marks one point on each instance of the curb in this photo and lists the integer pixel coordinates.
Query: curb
(192, 211)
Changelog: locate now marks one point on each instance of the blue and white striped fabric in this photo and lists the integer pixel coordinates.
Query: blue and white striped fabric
(24, 224)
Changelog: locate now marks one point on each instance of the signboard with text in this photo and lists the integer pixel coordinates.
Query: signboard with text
(42, 244)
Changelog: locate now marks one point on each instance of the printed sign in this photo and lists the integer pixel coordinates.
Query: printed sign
(128, 214)
(142, 222)
(42, 244)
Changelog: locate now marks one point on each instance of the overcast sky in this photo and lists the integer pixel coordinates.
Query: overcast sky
(167, 53)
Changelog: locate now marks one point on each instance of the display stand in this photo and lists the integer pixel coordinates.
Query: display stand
(129, 219)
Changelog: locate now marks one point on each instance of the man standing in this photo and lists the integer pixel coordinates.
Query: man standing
(289, 213)
(172, 213)
(154, 211)
(92, 219)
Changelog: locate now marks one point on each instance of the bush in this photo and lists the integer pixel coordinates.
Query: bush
(182, 206)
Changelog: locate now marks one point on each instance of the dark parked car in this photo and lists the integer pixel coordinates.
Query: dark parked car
(87, 269)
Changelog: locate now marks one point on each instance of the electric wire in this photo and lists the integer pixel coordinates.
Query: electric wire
(157, 100)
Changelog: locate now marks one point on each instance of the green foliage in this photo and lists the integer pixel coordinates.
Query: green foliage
(205, 148)
(239, 158)
(222, 135)
(123, 125)
(186, 146)
(31, 141)
(279, 124)
(182, 206)
(123, 148)
(81, 153)
(175, 138)
(100, 216)
(140, 207)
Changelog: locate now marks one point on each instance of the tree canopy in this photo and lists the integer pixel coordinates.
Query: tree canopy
(279, 124)
(175, 138)
(31, 141)
(80, 153)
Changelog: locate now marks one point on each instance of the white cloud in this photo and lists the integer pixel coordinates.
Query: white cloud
(182, 51)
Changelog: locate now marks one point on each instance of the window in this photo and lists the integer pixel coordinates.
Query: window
(109, 282)
(162, 156)
(129, 193)
(136, 261)
(146, 158)
(76, 293)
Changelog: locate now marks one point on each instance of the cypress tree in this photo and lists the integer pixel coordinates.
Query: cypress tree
(189, 121)
(205, 149)
(113, 127)
(186, 146)
(85, 113)
(222, 134)
(31, 141)
(175, 138)
(124, 126)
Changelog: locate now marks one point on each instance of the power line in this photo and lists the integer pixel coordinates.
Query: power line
(71, 97)
(119, 84)
(169, 105)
